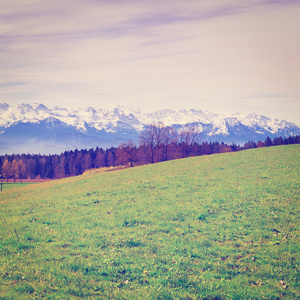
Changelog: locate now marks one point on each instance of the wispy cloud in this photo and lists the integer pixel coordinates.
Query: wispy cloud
(11, 84)
(282, 2)
(193, 52)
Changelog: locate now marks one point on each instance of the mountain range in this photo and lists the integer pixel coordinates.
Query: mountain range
(26, 128)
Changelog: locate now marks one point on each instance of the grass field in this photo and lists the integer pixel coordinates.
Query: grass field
(224, 226)
(10, 185)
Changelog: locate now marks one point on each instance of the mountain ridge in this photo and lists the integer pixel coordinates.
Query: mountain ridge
(90, 127)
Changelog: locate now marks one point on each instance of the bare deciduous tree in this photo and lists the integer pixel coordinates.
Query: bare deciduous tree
(170, 137)
(126, 153)
(15, 170)
(189, 135)
(6, 169)
(147, 139)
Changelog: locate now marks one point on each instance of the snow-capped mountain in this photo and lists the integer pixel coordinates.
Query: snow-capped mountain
(26, 128)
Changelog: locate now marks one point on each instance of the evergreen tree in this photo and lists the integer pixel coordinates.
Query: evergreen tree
(22, 169)
(100, 158)
(268, 142)
(49, 168)
(111, 158)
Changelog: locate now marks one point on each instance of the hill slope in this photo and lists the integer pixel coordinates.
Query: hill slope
(216, 227)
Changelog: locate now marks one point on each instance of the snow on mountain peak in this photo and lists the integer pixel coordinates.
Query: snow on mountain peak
(92, 127)
(121, 116)
(4, 106)
(39, 106)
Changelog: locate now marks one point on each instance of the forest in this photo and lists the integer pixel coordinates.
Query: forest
(157, 143)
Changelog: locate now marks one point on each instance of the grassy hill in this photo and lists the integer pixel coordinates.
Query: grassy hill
(224, 226)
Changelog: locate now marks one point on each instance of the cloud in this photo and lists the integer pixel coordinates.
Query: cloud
(168, 53)
(282, 3)
(9, 84)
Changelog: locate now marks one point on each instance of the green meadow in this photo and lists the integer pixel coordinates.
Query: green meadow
(11, 185)
(225, 226)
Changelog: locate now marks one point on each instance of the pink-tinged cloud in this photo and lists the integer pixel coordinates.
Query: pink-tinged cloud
(212, 55)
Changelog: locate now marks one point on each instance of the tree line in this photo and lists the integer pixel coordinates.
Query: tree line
(157, 143)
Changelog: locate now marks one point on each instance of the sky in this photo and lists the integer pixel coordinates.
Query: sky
(219, 55)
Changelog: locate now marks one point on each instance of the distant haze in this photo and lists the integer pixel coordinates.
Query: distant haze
(221, 55)
(39, 129)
